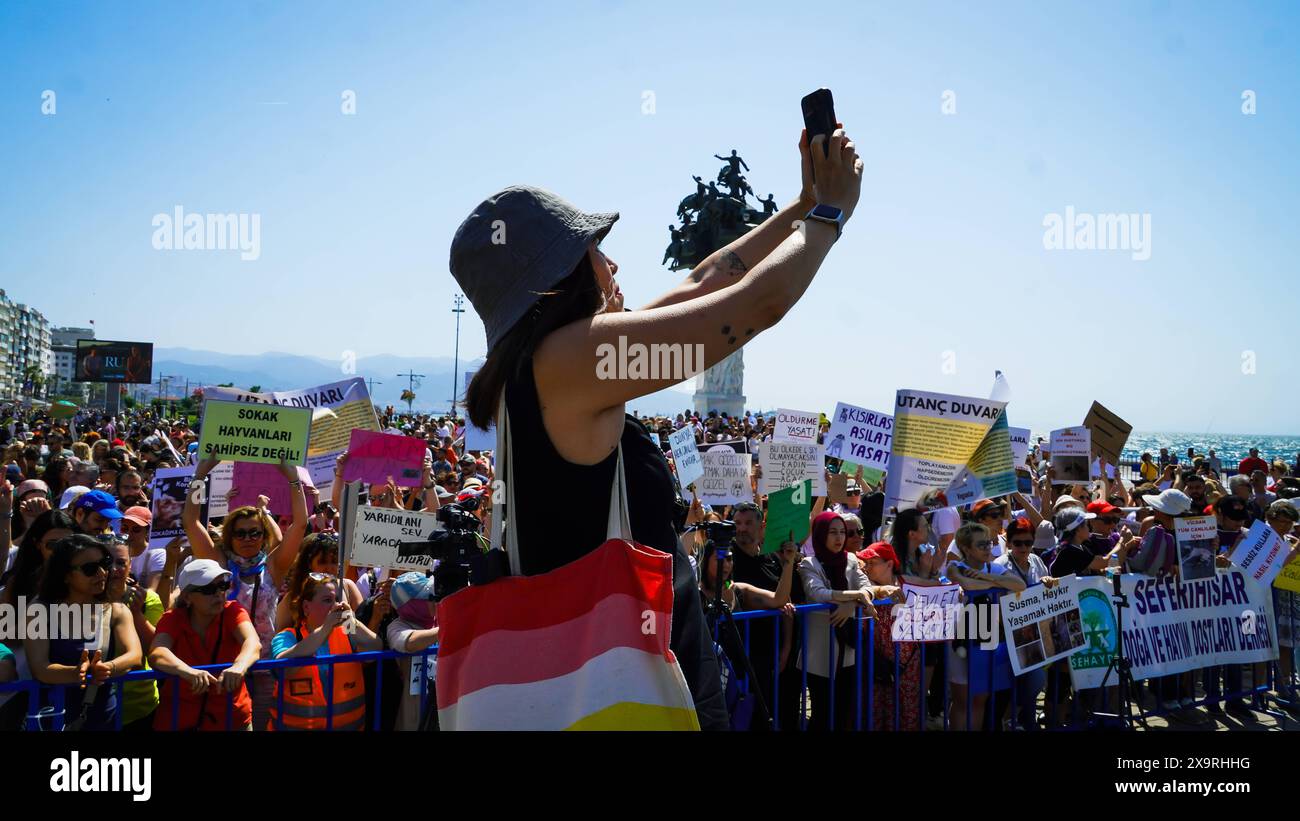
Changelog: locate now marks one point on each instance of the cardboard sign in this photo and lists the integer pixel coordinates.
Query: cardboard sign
(336, 409)
(1071, 456)
(241, 432)
(251, 480)
(927, 614)
(1042, 625)
(860, 436)
(935, 436)
(796, 426)
(1260, 553)
(786, 463)
(375, 457)
(220, 480)
(686, 456)
(1109, 432)
(836, 489)
(1289, 578)
(1195, 536)
(788, 512)
(170, 486)
(378, 532)
(1019, 445)
(726, 476)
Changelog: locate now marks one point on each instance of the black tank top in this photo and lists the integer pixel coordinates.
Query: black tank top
(563, 514)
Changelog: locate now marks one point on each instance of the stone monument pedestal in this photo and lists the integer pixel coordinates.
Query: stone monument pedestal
(728, 403)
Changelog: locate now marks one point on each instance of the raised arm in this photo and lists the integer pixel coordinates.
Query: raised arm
(283, 557)
(571, 363)
(200, 540)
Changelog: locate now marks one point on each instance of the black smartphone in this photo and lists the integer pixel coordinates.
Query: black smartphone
(819, 116)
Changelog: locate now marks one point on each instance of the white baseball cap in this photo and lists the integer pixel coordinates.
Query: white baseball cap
(1171, 502)
(200, 572)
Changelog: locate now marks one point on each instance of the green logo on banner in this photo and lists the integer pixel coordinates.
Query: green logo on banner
(1099, 631)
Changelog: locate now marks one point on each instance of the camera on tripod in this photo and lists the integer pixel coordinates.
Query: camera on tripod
(460, 553)
(722, 534)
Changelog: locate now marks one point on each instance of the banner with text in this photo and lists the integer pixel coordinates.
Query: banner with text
(860, 437)
(1173, 627)
(686, 456)
(1071, 450)
(378, 532)
(1261, 553)
(337, 409)
(935, 436)
(1042, 625)
(788, 463)
(238, 432)
(796, 426)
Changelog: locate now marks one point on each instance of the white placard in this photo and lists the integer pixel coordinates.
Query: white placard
(788, 463)
(1260, 553)
(860, 436)
(379, 531)
(796, 426)
(726, 477)
(686, 456)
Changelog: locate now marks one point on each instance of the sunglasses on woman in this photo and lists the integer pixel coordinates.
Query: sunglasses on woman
(981, 545)
(853, 532)
(254, 533)
(91, 569)
(321, 577)
(220, 586)
(1022, 542)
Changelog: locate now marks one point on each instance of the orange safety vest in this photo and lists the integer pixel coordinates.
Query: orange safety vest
(305, 704)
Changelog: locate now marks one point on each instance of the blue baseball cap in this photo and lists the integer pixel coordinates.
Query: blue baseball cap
(410, 586)
(100, 502)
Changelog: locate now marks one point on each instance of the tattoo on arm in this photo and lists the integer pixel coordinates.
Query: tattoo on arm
(726, 331)
(733, 264)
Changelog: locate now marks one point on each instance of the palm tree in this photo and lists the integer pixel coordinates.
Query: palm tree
(32, 375)
(408, 396)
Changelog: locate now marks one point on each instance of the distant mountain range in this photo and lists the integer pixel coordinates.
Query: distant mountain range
(282, 371)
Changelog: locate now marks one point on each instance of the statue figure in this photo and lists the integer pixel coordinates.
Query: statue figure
(769, 205)
(726, 377)
(674, 250)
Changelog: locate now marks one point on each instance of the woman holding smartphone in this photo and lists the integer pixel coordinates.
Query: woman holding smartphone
(532, 266)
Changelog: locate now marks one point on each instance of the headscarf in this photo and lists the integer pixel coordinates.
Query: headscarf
(835, 564)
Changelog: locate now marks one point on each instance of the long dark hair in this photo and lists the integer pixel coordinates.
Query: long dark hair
(312, 546)
(54, 581)
(575, 297)
(53, 476)
(23, 578)
(907, 521)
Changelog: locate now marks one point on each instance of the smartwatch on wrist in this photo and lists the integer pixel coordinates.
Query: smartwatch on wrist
(828, 214)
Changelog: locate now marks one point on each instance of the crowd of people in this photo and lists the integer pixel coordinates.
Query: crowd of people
(75, 516)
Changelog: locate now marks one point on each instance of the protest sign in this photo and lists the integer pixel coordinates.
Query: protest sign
(860, 436)
(1019, 445)
(1195, 536)
(1109, 433)
(991, 470)
(1289, 578)
(928, 613)
(251, 480)
(786, 463)
(788, 512)
(476, 438)
(170, 487)
(726, 476)
(1260, 553)
(377, 533)
(1071, 456)
(1042, 625)
(220, 481)
(795, 426)
(686, 456)
(338, 408)
(235, 431)
(1172, 627)
(934, 436)
(837, 488)
(374, 458)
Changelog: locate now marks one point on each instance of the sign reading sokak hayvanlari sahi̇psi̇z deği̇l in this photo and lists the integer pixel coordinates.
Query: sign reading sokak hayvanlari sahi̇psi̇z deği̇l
(240, 432)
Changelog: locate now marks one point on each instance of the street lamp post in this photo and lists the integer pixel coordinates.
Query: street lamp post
(455, 368)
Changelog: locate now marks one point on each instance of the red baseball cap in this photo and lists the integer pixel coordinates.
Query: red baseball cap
(1102, 508)
(880, 550)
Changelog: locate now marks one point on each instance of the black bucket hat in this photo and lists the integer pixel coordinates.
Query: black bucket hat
(516, 244)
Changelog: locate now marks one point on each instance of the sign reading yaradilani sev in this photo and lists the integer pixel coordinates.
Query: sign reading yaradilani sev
(378, 533)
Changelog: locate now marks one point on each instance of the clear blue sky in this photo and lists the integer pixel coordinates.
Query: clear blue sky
(1108, 107)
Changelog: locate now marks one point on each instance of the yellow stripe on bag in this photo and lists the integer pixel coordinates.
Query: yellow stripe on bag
(631, 715)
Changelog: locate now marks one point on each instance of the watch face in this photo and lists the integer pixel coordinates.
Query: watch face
(826, 211)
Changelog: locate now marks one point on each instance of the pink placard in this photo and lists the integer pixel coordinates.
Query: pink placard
(252, 479)
(374, 457)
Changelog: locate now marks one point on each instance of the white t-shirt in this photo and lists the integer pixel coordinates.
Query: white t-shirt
(148, 564)
(945, 521)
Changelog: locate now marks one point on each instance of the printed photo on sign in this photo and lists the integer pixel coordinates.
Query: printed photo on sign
(1196, 536)
(170, 487)
(1071, 456)
(1044, 624)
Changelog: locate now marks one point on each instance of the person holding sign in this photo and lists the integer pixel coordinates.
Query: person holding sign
(554, 313)
(256, 572)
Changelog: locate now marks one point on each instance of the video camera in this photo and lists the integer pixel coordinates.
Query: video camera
(460, 555)
(722, 534)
